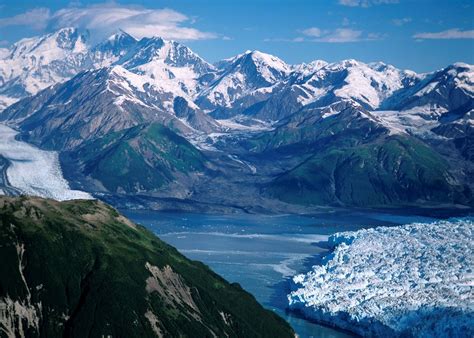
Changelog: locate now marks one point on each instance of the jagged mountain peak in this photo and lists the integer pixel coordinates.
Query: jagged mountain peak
(172, 53)
(67, 38)
(380, 66)
(36, 63)
(270, 66)
(348, 63)
(448, 89)
(368, 84)
(250, 73)
(51, 46)
(168, 64)
(308, 68)
(120, 34)
(459, 66)
(461, 71)
(112, 49)
(119, 39)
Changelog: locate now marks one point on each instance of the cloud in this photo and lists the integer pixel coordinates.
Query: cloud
(103, 19)
(37, 19)
(342, 35)
(312, 31)
(375, 36)
(401, 21)
(365, 3)
(339, 35)
(297, 39)
(449, 34)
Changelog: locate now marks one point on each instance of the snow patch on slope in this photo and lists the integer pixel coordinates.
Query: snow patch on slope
(246, 74)
(38, 62)
(33, 171)
(412, 280)
(267, 65)
(417, 121)
(370, 84)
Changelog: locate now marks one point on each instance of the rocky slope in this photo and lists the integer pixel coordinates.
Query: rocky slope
(79, 268)
(98, 102)
(348, 156)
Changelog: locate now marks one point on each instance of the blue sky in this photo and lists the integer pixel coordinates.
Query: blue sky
(421, 35)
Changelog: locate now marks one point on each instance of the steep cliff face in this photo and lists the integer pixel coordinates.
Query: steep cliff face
(79, 268)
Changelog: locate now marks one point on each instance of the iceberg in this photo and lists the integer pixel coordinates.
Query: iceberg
(411, 280)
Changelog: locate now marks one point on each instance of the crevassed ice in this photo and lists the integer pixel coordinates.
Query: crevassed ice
(412, 280)
(33, 171)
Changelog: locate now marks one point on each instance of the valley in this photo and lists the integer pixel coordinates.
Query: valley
(247, 134)
(327, 190)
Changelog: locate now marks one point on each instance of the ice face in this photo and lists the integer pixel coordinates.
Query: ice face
(414, 280)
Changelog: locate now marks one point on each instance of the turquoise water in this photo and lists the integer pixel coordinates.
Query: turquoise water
(262, 252)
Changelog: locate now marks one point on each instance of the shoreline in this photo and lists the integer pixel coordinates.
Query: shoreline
(300, 315)
(175, 205)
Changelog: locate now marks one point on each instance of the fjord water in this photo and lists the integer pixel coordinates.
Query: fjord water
(261, 252)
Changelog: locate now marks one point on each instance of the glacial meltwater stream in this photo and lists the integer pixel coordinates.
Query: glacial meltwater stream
(262, 252)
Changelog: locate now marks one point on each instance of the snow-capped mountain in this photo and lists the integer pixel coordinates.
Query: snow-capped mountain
(320, 83)
(448, 89)
(168, 64)
(251, 74)
(36, 63)
(368, 84)
(171, 53)
(101, 101)
(442, 101)
(252, 83)
(324, 120)
(112, 49)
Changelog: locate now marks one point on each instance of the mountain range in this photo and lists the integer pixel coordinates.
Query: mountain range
(148, 122)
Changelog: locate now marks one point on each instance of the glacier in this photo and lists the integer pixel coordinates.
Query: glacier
(35, 172)
(411, 280)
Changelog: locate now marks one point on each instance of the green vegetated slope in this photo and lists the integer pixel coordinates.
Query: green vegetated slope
(141, 158)
(306, 134)
(80, 269)
(343, 155)
(387, 171)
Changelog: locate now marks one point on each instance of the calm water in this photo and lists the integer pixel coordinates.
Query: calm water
(261, 252)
